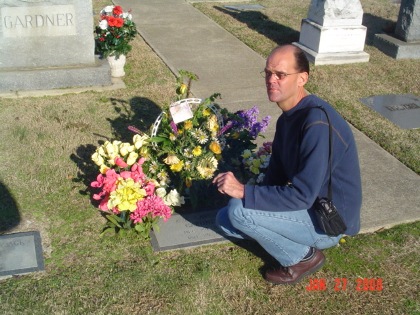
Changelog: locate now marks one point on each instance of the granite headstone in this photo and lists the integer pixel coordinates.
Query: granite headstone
(47, 45)
(405, 42)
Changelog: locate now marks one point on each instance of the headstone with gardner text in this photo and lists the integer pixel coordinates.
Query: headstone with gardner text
(405, 42)
(333, 32)
(48, 45)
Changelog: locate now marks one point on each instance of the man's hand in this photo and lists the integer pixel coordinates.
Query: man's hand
(228, 184)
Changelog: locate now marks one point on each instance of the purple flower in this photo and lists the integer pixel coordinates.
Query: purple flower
(248, 120)
(174, 128)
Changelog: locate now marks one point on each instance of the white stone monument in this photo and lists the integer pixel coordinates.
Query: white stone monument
(333, 32)
(405, 42)
(48, 44)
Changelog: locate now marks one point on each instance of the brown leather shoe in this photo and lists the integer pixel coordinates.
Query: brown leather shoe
(293, 274)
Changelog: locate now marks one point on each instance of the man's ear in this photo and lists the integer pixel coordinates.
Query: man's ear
(303, 78)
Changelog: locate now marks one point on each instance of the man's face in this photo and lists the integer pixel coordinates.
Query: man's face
(280, 88)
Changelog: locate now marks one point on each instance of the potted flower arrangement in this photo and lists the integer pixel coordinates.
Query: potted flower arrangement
(113, 34)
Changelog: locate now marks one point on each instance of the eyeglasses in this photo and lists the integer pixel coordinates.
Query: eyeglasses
(277, 74)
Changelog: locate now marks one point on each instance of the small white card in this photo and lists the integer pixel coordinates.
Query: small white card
(181, 112)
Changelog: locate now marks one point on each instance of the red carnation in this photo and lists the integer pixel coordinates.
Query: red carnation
(119, 22)
(117, 10)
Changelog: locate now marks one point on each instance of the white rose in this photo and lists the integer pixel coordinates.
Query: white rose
(160, 192)
(173, 199)
(103, 25)
(126, 15)
(108, 8)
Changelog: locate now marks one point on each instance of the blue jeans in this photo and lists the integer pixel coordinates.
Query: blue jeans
(285, 235)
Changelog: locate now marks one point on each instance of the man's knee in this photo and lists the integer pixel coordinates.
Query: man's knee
(236, 214)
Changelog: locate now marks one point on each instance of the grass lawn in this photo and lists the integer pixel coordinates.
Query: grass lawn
(45, 152)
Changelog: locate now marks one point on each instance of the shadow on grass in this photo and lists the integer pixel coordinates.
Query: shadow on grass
(377, 25)
(282, 34)
(9, 212)
(139, 112)
(259, 22)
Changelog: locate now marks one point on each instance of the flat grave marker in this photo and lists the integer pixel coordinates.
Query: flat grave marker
(20, 253)
(403, 110)
(245, 7)
(186, 231)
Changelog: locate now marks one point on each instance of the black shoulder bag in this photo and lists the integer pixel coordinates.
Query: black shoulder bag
(329, 220)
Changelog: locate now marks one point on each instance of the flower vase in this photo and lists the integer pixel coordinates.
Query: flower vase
(117, 66)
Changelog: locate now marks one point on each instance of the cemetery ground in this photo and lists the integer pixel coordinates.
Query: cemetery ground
(45, 153)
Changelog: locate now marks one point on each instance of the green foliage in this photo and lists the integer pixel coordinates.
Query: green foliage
(122, 224)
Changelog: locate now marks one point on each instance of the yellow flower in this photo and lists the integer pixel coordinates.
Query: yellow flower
(101, 151)
(125, 148)
(235, 135)
(197, 151)
(132, 158)
(212, 124)
(246, 154)
(126, 195)
(188, 125)
(206, 112)
(342, 240)
(183, 88)
(139, 140)
(254, 169)
(172, 137)
(103, 168)
(215, 147)
(97, 159)
(144, 151)
(177, 167)
(171, 159)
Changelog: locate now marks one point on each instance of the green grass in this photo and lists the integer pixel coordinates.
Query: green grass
(344, 85)
(45, 153)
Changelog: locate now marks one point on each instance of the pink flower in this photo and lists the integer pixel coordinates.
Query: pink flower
(108, 185)
(110, 180)
(137, 172)
(153, 205)
(150, 188)
(99, 181)
(103, 205)
(120, 162)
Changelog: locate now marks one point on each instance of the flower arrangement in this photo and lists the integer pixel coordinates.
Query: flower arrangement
(191, 148)
(130, 199)
(240, 130)
(114, 32)
(191, 140)
(256, 163)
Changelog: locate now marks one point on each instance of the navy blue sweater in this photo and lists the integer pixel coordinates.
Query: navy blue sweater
(300, 157)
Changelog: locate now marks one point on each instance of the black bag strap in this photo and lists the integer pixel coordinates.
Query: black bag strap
(330, 152)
